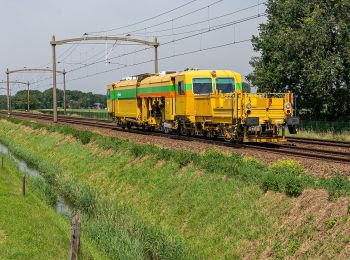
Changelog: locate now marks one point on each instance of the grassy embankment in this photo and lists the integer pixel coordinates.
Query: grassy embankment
(29, 228)
(141, 201)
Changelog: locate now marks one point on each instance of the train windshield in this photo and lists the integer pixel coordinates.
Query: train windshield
(225, 85)
(202, 86)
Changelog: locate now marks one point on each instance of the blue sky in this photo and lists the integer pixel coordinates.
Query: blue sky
(27, 27)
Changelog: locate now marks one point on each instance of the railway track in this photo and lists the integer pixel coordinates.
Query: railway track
(290, 148)
(319, 142)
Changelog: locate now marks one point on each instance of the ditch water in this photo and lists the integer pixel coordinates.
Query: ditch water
(61, 206)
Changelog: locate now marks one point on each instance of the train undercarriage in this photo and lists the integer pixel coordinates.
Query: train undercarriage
(231, 132)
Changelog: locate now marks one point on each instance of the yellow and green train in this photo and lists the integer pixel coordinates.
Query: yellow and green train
(207, 103)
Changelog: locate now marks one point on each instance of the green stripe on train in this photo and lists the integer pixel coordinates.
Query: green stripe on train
(131, 93)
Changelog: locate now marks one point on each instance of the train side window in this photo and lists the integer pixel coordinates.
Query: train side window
(202, 86)
(108, 94)
(225, 85)
(181, 89)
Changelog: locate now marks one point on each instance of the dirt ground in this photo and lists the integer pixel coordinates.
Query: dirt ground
(314, 221)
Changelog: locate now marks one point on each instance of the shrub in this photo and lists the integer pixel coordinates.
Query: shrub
(331, 222)
(294, 187)
(137, 150)
(337, 186)
(83, 136)
(271, 182)
(218, 162)
(81, 197)
(184, 157)
(164, 154)
(108, 142)
(87, 199)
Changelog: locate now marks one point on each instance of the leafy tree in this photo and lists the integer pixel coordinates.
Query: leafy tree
(305, 48)
(20, 100)
(3, 102)
(246, 87)
(43, 100)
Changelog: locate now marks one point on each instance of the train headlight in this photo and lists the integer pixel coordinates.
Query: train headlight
(249, 106)
(288, 106)
(248, 112)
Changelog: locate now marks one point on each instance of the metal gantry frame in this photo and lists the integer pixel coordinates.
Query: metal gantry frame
(53, 43)
(9, 99)
(8, 72)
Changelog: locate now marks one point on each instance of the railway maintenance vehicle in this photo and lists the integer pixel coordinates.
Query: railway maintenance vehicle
(209, 103)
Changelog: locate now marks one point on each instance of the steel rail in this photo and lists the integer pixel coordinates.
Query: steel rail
(315, 150)
(319, 142)
(334, 156)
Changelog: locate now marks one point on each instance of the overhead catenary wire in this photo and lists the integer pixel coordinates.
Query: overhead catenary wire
(212, 29)
(175, 18)
(70, 64)
(173, 28)
(186, 37)
(67, 54)
(163, 58)
(62, 54)
(218, 27)
(67, 65)
(100, 61)
(201, 31)
(145, 20)
(209, 28)
(197, 32)
(200, 22)
(70, 50)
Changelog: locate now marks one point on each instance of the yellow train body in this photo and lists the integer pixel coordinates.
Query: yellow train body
(199, 102)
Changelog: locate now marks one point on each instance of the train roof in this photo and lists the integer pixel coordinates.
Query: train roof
(166, 76)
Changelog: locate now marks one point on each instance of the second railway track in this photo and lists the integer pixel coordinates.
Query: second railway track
(342, 144)
(294, 150)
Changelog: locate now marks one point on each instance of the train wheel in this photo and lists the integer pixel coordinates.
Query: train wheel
(166, 130)
(210, 134)
(227, 136)
(182, 130)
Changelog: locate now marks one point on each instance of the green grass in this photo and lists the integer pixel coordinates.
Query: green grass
(77, 110)
(141, 201)
(329, 135)
(90, 113)
(29, 229)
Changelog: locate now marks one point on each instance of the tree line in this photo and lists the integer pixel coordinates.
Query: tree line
(43, 100)
(75, 99)
(305, 48)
